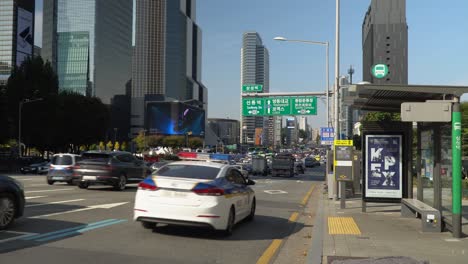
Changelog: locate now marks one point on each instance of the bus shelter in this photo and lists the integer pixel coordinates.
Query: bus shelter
(432, 173)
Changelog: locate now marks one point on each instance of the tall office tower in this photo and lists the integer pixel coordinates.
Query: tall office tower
(167, 57)
(255, 69)
(278, 120)
(303, 123)
(385, 41)
(16, 34)
(89, 43)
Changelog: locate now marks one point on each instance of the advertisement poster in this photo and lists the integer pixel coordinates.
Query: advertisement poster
(258, 136)
(384, 177)
(327, 135)
(427, 154)
(24, 35)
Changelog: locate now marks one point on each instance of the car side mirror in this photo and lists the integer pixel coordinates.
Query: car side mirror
(250, 182)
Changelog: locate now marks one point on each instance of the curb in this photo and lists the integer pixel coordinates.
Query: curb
(314, 254)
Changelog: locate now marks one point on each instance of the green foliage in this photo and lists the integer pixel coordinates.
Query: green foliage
(195, 142)
(154, 141)
(381, 116)
(101, 146)
(82, 148)
(174, 141)
(57, 122)
(93, 147)
(124, 146)
(117, 146)
(109, 145)
(140, 141)
(303, 134)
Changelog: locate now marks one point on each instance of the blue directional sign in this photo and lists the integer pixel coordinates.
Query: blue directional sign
(327, 136)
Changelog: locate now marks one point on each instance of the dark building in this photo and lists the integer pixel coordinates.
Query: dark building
(226, 130)
(89, 43)
(167, 56)
(16, 34)
(385, 41)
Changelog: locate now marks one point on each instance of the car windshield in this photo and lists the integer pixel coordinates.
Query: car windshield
(188, 171)
(62, 160)
(95, 157)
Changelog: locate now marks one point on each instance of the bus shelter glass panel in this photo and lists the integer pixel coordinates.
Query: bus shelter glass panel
(427, 165)
(446, 170)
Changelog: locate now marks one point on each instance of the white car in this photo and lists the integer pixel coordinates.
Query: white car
(192, 193)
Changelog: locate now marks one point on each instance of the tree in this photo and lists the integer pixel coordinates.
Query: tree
(195, 142)
(381, 116)
(124, 146)
(140, 141)
(109, 145)
(154, 141)
(101, 146)
(117, 145)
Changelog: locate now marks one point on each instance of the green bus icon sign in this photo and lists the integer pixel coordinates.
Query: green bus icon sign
(379, 71)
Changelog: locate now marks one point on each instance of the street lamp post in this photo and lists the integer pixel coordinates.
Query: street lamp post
(326, 44)
(21, 103)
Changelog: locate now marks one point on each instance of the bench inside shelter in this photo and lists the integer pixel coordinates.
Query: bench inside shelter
(431, 220)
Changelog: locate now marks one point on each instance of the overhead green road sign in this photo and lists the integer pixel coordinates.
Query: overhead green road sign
(304, 105)
(279, 106)
(251, 88)
(253, 106)
(379, 71)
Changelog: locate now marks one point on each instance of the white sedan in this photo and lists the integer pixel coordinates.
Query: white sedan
(192, 193)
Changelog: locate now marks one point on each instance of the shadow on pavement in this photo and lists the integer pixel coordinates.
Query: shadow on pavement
(261, 228)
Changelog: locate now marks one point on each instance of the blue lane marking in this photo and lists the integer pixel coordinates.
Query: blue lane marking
(66, 230)
(79, 231)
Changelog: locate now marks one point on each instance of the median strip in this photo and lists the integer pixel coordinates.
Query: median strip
(270, 252)
(308, 194)
(293, 217)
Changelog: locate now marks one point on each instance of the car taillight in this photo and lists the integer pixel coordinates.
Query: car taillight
(76, 167)
(209, 190)
(148, 185)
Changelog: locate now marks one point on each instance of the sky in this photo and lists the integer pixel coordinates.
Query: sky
(437, 53)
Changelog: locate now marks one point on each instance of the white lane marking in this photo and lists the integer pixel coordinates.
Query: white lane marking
(33, 197)
(20, 179)
(275, 191)
(56, 190)
(100, 206)
(32, 185)
(58, 202)
(23, 234)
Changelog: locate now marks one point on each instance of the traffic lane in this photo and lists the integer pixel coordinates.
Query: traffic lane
(249, 238)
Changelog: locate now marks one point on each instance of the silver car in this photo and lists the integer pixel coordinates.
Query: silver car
(61, 168)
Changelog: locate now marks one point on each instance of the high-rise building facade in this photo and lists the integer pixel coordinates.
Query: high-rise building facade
(255, 69)
(385, 41)
(167, 56)
(227, 130)
(16, 34)
(89, 43)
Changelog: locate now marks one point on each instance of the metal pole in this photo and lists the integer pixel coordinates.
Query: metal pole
(19, 128)
(456, 169)
(328, 85)
(337, 71)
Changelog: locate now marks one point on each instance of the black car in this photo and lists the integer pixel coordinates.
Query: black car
(115, 168)
(310, 162)
(36, 168)
(11, 201)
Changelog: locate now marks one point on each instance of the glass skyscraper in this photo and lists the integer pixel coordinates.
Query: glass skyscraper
(16, 34)
(89, 45)
(167, 58)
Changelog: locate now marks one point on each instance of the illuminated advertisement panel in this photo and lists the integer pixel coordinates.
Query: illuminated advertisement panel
(171, 118)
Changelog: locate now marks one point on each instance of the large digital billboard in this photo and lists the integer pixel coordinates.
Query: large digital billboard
(171, 118)
(290, 122)
(24, 35)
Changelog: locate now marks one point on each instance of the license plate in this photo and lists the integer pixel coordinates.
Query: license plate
(178, 194)
(89, 178)
(57, 178)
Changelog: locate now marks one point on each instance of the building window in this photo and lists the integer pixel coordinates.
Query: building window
(388, 51)
(388, 37)
(388, 45)
(388, 79)
(388, 58)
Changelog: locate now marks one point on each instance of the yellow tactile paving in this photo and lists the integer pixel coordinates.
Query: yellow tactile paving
(342, 226)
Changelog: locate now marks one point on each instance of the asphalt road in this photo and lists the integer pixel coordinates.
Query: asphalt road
(64, 224)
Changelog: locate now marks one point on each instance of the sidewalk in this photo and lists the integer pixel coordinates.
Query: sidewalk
(381, 232)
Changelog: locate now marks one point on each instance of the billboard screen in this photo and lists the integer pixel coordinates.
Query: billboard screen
(258, 136)
(290, 123)
(24, 35)
(171, 118)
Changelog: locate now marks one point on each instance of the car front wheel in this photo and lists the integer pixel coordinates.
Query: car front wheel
(7, 211)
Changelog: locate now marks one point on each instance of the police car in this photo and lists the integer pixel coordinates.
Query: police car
(195, 193)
